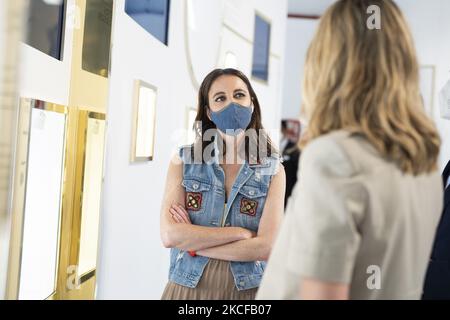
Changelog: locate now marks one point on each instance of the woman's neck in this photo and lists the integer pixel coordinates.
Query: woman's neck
(233, 145)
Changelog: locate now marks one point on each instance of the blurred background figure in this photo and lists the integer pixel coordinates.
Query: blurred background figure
(291, 155)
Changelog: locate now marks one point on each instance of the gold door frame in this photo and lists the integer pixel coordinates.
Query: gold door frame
(74, 256)
(90, 91)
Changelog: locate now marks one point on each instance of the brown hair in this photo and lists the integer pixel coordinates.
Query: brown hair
(203, 123)
(366, 81)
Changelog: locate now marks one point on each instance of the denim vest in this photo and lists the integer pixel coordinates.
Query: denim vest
(205, 203)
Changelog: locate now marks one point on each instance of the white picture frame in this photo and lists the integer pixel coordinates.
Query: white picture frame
(144, 122)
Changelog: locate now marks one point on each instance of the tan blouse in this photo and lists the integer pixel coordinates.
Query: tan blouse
(355, 218)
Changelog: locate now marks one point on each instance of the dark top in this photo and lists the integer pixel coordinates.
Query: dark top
(437, 281)
(291, 156)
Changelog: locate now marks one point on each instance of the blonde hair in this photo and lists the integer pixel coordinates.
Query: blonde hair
(366, 81)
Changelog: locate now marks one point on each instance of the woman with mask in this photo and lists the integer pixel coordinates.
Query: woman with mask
(224, 196)
(361, 221)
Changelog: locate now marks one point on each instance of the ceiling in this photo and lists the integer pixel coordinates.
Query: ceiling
(308, 7)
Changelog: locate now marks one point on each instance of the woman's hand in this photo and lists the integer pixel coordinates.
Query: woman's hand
(179, 214)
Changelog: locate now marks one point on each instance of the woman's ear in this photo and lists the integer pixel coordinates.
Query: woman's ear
(208, 113)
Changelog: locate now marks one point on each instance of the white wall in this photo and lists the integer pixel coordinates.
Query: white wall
(429, 21)
(299, 34)
(132, 262)
(430, 24)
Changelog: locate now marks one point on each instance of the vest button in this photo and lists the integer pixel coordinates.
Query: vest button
(242, 283)
(252, 192)
(195, 186)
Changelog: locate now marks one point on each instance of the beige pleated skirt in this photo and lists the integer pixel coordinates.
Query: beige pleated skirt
(217, 283)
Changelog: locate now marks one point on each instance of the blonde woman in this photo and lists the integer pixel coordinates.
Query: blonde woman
(361, 222)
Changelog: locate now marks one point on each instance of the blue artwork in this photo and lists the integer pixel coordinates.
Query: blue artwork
(152, 15)
(45, 27)
(261, 49)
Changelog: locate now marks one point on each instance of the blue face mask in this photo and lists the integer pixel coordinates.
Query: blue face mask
(233, 117)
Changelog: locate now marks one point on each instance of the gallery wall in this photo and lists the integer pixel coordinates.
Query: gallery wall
(295, 57)
(430, 25)
(132, 261)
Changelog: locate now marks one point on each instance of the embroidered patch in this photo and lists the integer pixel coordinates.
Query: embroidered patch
(248, 206)
(193, 201)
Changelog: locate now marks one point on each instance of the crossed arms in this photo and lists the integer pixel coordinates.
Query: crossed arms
(224, 243)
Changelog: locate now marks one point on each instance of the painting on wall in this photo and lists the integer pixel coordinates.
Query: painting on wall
(97, 37)
(152, 15)
(261, 49)
(144, 122)
(45, 31)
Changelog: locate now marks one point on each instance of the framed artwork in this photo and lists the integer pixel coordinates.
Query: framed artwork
(97, 37)
(152, 15)
(45, 31)
(261, 49)
(144, 122)
(427, 87)
(43, 200)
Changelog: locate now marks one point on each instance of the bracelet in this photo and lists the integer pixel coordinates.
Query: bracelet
(192, 253)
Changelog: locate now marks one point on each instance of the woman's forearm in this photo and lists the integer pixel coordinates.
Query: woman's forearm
(254, 249)
(194, 238)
